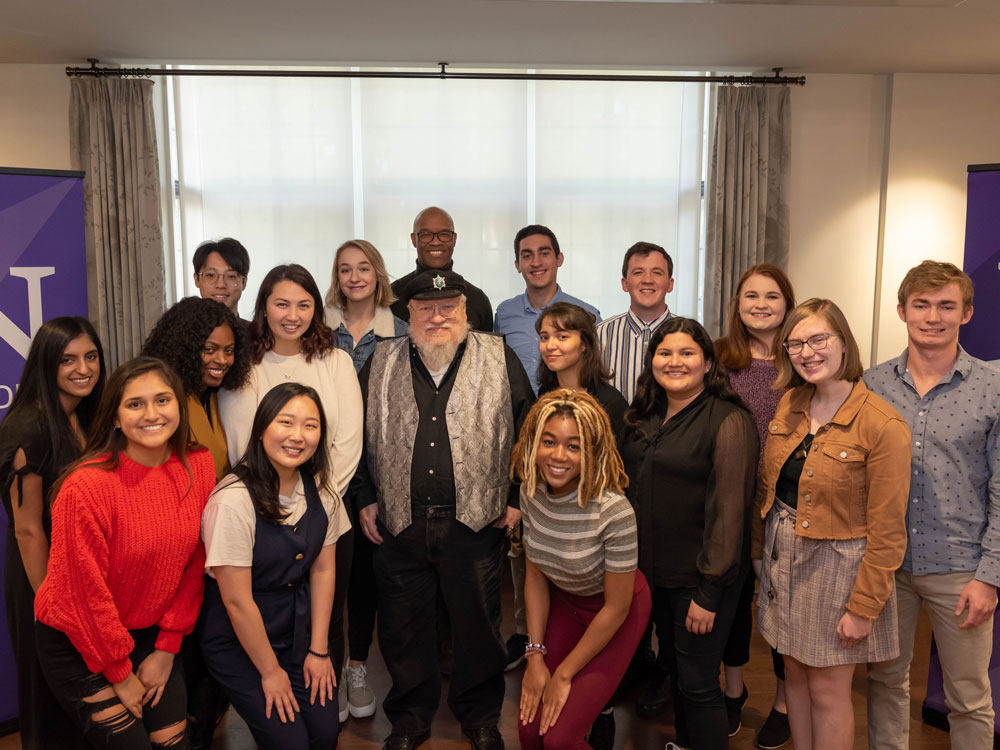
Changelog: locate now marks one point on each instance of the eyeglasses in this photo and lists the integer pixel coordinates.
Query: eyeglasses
(231, 277)
(429, 309)
(445, 235)
(816, 343)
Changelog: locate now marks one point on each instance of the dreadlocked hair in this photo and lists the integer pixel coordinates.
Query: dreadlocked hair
(601, 468)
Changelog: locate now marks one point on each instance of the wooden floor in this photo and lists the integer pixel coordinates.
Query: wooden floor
(633, 733)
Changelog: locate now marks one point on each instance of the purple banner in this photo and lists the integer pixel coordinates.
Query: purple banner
(981, 336)
(43, 275)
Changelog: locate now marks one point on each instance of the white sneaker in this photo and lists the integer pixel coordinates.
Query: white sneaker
(674, 746)
(342, 695)
(360, 698)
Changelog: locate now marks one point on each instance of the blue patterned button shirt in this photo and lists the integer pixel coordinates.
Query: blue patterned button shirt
(953, 512)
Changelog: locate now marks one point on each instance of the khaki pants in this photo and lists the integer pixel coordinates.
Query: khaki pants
(965, 658)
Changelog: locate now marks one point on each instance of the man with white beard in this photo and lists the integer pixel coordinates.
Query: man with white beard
(443, 408)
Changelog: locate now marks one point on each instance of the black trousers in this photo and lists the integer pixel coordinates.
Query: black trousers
(206, 700)
(737, 651)
(72, 684)
(316, 726)
(437, 554)
(693, 663)
(361, 605)
(345, 554)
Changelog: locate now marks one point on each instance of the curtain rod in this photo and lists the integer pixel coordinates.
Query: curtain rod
(443, 74)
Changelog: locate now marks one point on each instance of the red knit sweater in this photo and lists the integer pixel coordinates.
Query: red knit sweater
(126, 554)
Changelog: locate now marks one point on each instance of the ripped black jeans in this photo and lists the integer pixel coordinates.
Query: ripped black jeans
(73, 684)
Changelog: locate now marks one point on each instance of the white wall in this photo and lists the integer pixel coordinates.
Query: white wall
(940, 125)
(34, 116)
(837, 134)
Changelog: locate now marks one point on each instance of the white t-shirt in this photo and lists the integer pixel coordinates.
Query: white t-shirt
(229, 522)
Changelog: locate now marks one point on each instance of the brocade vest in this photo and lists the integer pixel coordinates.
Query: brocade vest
(480, 420)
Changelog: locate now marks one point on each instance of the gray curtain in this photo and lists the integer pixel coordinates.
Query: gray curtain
(113, 140)
(747, 191)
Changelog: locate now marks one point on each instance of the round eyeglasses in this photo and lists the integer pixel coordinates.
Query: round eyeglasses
(816, 343)
(231, 278)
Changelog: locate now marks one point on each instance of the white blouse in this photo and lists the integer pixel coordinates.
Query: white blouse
(335, 380)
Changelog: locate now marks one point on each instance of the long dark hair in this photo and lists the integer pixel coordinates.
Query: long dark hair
(255, 470)
(566, 316)
(318, 339)
(180, 334)
(650, 397)
(105, 442)
(39, 390)
(734, 346)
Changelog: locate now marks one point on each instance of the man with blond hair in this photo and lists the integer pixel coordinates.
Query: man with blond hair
(951, 401)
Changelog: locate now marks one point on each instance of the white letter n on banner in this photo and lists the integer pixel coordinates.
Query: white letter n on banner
(18, 340)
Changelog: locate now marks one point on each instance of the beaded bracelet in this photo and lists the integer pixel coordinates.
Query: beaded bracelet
(535, 648)
(318, 655)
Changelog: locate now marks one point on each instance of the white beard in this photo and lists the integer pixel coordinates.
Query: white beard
(438, 356)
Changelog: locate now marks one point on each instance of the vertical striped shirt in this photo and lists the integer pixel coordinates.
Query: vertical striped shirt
(572, 546)
(624, 339)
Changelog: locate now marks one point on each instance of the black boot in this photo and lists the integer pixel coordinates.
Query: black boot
(655, 695)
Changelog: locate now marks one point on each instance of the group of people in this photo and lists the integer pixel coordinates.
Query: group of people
(184, 531)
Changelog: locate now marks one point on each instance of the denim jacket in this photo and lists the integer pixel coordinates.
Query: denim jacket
(855, 483)
(383, 326)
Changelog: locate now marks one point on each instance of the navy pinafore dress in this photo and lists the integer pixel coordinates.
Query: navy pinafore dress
(283, 555)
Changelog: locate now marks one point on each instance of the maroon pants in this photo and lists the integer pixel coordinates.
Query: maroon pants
(593, 686)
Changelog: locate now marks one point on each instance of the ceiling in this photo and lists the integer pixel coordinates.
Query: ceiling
(802, 38)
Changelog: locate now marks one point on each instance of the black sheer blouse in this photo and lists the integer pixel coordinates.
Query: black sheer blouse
(691, 481)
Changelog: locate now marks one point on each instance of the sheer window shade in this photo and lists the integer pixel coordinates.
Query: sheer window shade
(293, 167)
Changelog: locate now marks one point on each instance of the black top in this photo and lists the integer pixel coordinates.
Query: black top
(691, 481)
(476, 302)
(26, 429)
(787, 487)
(432, 478)
(614, 404)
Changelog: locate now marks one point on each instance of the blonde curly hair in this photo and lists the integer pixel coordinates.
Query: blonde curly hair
(601, 468)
